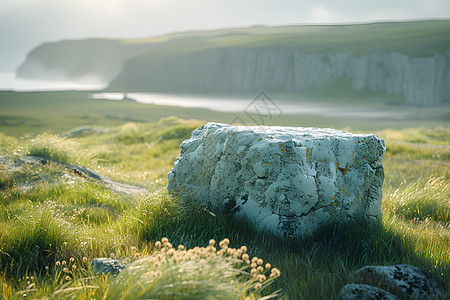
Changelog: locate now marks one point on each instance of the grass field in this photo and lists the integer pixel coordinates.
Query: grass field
(312, 38)
(52, 219)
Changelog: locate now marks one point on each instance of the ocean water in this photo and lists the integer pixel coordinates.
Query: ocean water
(225, 104)
(264, 105)
(9, 82)
(261, 104)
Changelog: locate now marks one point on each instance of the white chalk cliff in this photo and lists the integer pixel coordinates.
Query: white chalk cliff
(285, 180)
(420, 80)
(409, 60)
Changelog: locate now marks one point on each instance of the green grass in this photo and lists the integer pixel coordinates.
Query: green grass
(313, 38)
(49, 214)
(61, 112)
(422, 199)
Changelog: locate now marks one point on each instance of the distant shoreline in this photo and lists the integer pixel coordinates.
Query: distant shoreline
(9, 82)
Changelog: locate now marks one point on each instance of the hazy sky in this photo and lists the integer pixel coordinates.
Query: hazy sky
(26, 23)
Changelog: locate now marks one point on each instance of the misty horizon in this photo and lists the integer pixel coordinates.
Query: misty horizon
(26, 24)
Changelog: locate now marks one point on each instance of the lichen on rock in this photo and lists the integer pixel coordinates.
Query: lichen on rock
(289, 181)
(363, 291)
(405, 281)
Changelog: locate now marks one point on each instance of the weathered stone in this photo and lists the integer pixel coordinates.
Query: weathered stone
(287, 181)
(84, 131)
(363, 291)
(103, 265)
(405, 281)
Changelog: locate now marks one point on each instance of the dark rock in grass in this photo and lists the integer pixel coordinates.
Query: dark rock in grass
(34, 160)
(84, 131)
(78, 170)
(363, 291)
(405, 281)
(103, 265)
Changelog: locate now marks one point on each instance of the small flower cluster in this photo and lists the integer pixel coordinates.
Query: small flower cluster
(260, 273)
(77, 213)
(26, 284)
(29, 280)
(69, 268)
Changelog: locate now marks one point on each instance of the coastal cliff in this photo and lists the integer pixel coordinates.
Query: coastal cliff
(409, 60)
(98, 60)
(420, 80)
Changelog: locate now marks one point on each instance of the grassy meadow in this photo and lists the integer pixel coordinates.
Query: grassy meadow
(54, 221)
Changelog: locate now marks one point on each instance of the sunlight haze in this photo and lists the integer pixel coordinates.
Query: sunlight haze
(24, 24)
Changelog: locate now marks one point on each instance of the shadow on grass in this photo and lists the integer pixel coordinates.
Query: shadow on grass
(313, 268)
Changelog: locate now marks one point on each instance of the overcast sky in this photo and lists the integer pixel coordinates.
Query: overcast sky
(26, 23)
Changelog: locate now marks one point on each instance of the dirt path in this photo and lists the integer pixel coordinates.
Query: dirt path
(10, 165)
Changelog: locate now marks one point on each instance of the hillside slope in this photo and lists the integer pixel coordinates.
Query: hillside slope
(408, 59)
(78, 60)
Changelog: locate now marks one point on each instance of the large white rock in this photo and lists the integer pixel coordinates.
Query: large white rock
(285, 180)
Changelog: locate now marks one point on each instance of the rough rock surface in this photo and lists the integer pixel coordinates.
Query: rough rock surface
(405, 281)
(354, 291)
(103, 265)
(287, 181)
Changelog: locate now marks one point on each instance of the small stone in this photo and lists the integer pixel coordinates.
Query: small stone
(103, 265)
(289, 181)
(363, 291)
(405, 281)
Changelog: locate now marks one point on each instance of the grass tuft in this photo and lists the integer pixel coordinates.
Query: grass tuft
(33, 238)
(198, 273)
(421, 199)
(60, 149)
